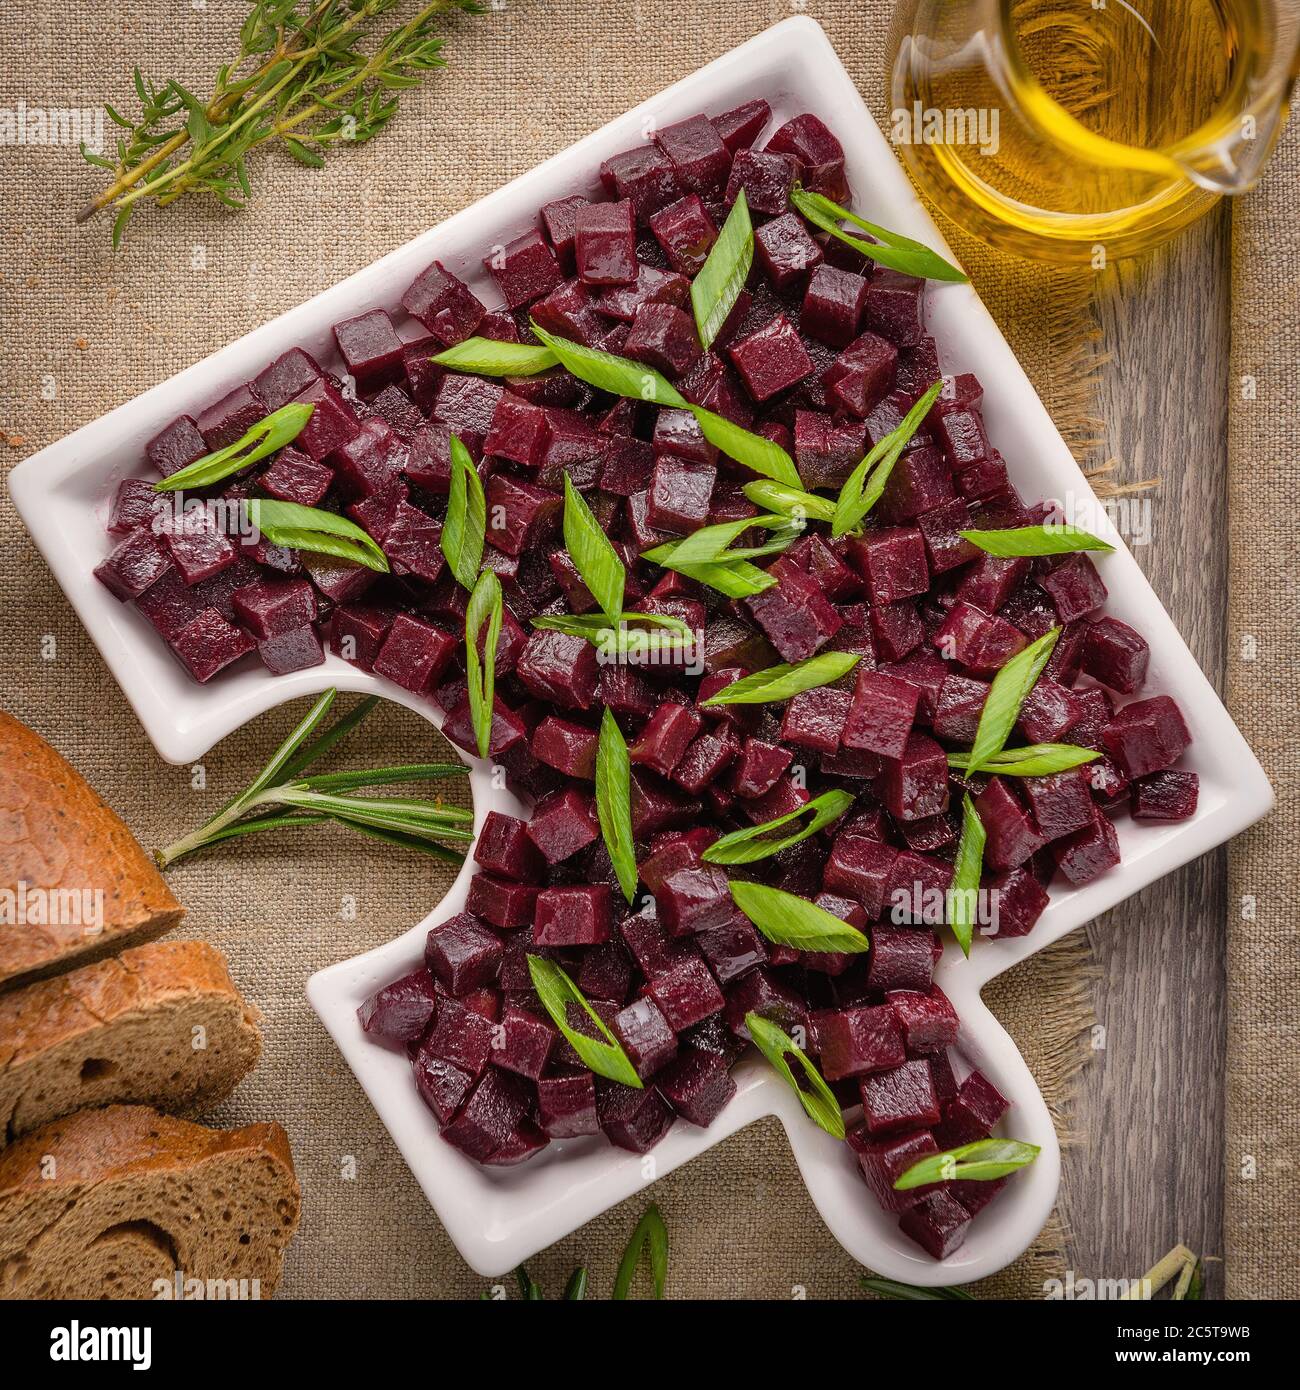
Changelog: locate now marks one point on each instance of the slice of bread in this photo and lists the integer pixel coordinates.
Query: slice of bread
(74, 884)
(160, 1024)
(117, 1203)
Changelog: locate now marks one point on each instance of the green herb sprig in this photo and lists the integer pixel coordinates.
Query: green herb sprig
(777, 683)
(1048, 539)
(967, 868)
(604, 1054)
(757, 842)
(299, 77)
(1010, 688)
(273, 432)
(1033, 760)
(464, 531)
(985, 1160)
(721, 278)
(591, 550)
(295, 527)
(614, 802)
(787, 920)
(865, 486)
(280, 797)
(651, 1236)
(897, 252)
(816, 1097)
(789, 501)
(484, 615)
(491, 357)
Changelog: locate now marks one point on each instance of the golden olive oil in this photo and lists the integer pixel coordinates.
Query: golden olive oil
(1076, 129)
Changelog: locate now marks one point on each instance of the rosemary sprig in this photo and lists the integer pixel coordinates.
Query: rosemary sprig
(281, 798)
(299, 78)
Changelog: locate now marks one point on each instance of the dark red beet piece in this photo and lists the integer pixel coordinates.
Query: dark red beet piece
(697, 1085)
(1018, 901)
(686, 232)
(1049, 711)
(605, 243)
(524, 269)
(695, 898)
(370, 347)
(833, 305)
(856, 1042)
(293, 477)
(567, 1105)
(895, 309)
(464, 953)
(1061, 803)
(815, 719)
(442, 1085)
(902, 1098)
(1074, 587)
(786, 251)
(400, 1011)
(938, 1224)
(557, 667)
(646, 1036)
(632, 1119)
(446, 306)
(291, 651)
(491, 1118)
(663, 337)
(1115, 655)
(929, 1022)
(698, 154)
(1166, 796)
(291, 373)
(760, 992)
(1011, 835)
(901, 957)
(1088, 853)
(1146, 736)
(859, 867)
(766, 179)
(332, 421)
(503, 848)
(741, 127)
(523, 1044)
(882, 1161)
(208, 644)
(519, 432)
(795, 615)
(568, 747)
(172, 448)
(915, 785)
(230, 418)
(500, 902)
(563, 823)
(357, 632)
(414, 653)
(573, 916)
(134, 505)
(665, 738)
(137, 563)
(972, 1113)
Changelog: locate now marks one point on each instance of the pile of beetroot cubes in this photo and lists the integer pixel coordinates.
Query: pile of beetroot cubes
(825, 354)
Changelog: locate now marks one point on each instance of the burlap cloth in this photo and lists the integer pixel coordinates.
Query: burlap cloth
(85, 330)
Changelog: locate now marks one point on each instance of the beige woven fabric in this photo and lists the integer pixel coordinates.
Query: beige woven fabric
(1263, 1102)
(85, 330)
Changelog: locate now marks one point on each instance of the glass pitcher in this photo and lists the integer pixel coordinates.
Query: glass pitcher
(1082, 130)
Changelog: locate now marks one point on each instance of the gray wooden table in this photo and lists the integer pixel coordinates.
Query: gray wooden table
(1152, 1102)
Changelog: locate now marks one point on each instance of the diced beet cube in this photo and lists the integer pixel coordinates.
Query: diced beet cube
(786, 251)
(507, 733)
(271, 607)
(370, 460)
(666, 737)
(1115, 655)
(208, 644)
(686, 232)
(770, 359)
(568, 312)
(230, 418)
(881, 715)
(663, 337)
(984, 644)
(519, 514)
(370, 347)
(795, 615)
(172, 448)
(400, 1011)
(899, 1099)
(338, 580)
(567, 1105)
(442, 1085)
(357, 632)
(787, 796)
(656, 806)
(917, 891)
(626, 467)
(567, 747)
(705, 760)
(695, 898)
(895, 307)
(941, 528)
(938, 1224)
(1011, 835)
(915, 785)
(859, 867)
(766, 178)
(573, 916)
(701, 159)
(645, 176)
(975, 1195)
(502, 903)
(605, 243)
(760, 992)
(332, 421)
(826, 450)
(1166, 796)
(198, 549)
(491, 1118)
(134, 505)
(414, 653)
(559, 220)
(169, 602)
(808, 139)
(1088, 853)
(961, 702)
(1018, 902)
(759, 767)
(557, 667)
(524, 269)
(679, 494)
(293, 477)
(815, 719)
(523, 1142)
(134, 565)
(896, 630)
(901, 957)
(1049, 710)
(972, 1113)
(298, 650)
(446, 306)
(646, 1036)
(677, 432)
(884, 1160)
(1146, 736)
(832, 305)
(893, 564)
(856, 1042)
(1067, 656)
(1074, 587)
(732, 950)
(504, 849)
(633, 1120)
(928, 1020)
(467, 404)
(960, 434)
(741, 127)
(606, 972)
(1061, 803)
(862, 375)
(519, 432)
(523, 1043)
(991, 580)
(463, 953)
(290, 374)
(651, 286)
(697, 1085)
(563, 823)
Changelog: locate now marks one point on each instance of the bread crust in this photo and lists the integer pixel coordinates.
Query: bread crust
(57, 835)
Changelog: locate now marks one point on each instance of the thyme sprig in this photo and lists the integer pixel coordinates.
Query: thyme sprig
(299, 78)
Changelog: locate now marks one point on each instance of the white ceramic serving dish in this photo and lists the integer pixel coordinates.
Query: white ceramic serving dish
(500, 1217)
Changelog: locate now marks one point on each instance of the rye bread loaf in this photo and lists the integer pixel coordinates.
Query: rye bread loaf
(160, 1024)
(106, 1203)
(61, 848)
